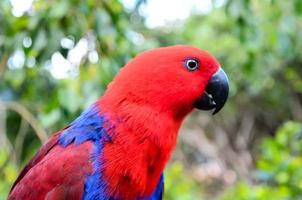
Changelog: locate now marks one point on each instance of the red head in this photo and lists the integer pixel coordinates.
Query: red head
(170, 79)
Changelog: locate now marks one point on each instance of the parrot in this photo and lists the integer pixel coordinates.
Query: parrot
(118, 147)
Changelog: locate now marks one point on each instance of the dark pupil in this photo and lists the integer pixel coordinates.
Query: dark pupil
(191, 64)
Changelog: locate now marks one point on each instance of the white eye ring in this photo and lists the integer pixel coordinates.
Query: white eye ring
(191, 64)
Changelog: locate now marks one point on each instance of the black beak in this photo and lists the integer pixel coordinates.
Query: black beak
(216, 93)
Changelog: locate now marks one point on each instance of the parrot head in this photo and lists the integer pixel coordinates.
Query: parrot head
(174, 80)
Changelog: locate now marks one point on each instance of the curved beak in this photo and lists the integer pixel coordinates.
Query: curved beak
(216, 93)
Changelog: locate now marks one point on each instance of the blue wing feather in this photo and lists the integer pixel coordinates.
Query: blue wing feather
(89, 126)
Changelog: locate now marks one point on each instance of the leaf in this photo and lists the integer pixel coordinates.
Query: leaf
(69, 99)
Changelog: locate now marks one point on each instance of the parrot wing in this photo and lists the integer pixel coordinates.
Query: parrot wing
(38, 157)
(54, 173)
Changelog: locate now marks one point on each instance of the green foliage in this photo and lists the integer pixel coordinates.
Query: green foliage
(178, 186)
(244, 191)
(29, 43)
(279, 172)
(8, 174)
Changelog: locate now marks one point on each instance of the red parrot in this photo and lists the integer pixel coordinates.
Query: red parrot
(117, 149)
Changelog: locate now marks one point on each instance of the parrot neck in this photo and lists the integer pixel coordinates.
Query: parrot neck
(142, 142)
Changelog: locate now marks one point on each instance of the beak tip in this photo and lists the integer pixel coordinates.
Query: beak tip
(216, 93)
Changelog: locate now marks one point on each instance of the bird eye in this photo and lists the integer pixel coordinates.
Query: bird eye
(191, 64)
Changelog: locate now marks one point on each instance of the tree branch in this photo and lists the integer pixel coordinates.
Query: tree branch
(29, 118)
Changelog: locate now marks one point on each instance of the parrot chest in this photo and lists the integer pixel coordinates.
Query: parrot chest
(133, 165)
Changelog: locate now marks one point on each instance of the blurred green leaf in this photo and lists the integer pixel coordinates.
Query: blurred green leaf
(280, 178)
(178, 186)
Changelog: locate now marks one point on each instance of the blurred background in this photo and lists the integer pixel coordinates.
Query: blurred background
(56, 58)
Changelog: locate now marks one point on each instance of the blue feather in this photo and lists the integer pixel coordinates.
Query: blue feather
(89, 126)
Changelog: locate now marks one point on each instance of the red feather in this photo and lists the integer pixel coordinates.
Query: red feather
(38, 157)
(54, 173)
